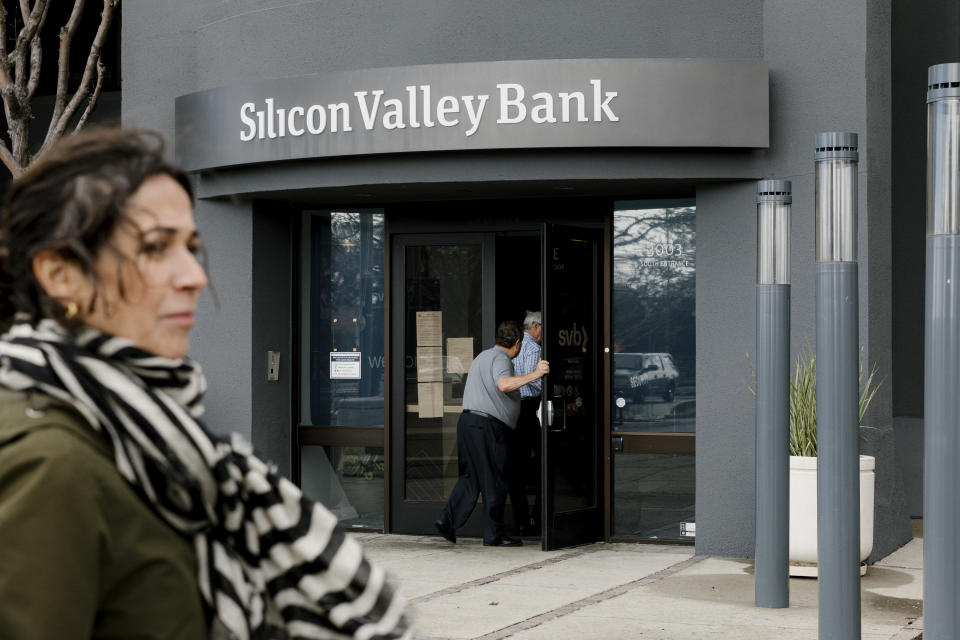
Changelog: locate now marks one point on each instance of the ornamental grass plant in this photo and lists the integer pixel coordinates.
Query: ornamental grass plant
(803, 404)
(803, 399)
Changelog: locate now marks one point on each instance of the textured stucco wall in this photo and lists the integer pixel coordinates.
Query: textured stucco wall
(820, 81)
(221, 341)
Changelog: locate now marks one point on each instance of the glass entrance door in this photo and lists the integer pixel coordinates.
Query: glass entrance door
(571, 464)
(440, 282)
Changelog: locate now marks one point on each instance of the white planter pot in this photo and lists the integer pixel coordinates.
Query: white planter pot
(803, 514)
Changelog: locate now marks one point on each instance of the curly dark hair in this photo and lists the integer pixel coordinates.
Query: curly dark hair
(70, 201)
(508, 332)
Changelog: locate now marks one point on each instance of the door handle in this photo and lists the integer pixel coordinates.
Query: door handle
(549, 416)
(563, 413)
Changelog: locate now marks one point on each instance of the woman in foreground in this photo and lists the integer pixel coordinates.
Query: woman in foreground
(121, 516)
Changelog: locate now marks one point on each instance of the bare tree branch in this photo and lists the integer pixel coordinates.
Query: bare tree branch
(20, 76)
(8, 160)
(32, 19)
(6, 88)
(84, 89)
(36, 55)
(15, 101)
(93, 98)
(3, 34)
(4, 77)
(63, 65)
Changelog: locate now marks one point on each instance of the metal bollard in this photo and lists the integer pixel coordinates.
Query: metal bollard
(838, 450)
(771, 553)
(941, 400)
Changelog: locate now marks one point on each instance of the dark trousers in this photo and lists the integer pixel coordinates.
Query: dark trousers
(482, 458)
(523, 465)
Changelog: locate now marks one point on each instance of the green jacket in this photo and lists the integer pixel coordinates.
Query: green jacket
(81, 556)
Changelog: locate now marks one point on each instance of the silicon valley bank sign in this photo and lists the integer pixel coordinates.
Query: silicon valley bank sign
(418, 108)
(469, 106)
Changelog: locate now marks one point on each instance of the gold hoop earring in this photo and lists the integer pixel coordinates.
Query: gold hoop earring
(72, 310)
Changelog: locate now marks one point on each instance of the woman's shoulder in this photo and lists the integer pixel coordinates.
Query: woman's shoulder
(76, 535)
(37, 426)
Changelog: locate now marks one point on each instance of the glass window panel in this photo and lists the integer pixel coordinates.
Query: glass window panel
(346, 480)
(653, 493)
(654, 361)
(342, 312)
(654, 316)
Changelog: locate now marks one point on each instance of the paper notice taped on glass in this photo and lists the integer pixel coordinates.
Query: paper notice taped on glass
(429, 364)
(430, 399)
(429, 328)
(459, 354)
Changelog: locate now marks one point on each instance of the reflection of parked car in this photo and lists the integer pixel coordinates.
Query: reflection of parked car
(637, 376)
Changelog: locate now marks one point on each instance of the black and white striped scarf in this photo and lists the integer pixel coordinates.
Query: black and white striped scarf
(260, 543)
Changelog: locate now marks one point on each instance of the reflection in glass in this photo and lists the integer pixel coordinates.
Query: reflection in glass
(342, 311)
(654, 316)
(346, 480)
(654, 360)
(443, 326)
(653, 493)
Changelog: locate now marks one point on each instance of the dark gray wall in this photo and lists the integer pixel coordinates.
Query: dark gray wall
(725, 409)
(811, 57)
(891, 516)
(827, 72)
(272, 320)
(923, 34)
(221, 341)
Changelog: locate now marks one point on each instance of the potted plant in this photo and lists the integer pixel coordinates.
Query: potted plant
(803, 464)
(359, 471)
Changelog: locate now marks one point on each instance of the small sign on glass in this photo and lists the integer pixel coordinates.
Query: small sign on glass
(345, 365)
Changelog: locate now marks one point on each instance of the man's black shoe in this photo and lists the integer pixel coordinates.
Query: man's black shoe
(445, 531)
(504, 541)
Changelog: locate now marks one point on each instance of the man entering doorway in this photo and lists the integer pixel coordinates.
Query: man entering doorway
(491, 406)
(523, 461)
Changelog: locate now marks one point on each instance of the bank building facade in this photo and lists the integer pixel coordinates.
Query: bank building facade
(379, 184)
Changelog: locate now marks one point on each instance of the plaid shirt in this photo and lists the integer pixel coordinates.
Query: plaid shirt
(526, 362)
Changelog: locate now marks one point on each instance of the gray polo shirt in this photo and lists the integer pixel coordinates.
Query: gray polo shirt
(481, 392)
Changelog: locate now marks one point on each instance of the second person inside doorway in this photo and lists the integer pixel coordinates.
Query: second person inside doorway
(523, 460)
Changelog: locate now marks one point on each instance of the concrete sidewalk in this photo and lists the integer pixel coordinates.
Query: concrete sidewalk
(467, 591)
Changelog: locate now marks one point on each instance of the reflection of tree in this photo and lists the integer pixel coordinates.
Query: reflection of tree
(654, 283)
(356, 272)
(345, 304)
